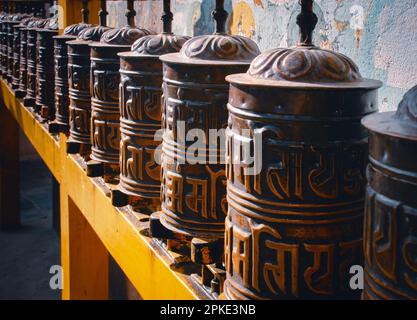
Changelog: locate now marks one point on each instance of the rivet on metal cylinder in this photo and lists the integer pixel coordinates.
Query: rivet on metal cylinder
(79, 66)
(140, 106)
(295, 164)
(105, 77)
(193, 191)
(391, 204)
(61, 123)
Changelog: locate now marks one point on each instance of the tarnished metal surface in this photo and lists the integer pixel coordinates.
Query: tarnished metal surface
(32, 27)
(19, 39)
(140, 106)
(3, 42)
(45, 70)
(71, 32)
(79, 66)
(195, 97)
(105, 77)
(294, 225)
(391, 204)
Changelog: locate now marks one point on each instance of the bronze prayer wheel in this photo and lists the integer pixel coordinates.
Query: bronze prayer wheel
(140, 107)
(391, 204)
(105, 118)
(61, 123)
(79, 67)
(45, 70)
(295, 165)
(18, 39)
(195, 98)
(29, 100)
(14, 21)
(3, 43)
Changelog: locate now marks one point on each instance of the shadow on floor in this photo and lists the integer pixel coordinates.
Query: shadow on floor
(27, 254)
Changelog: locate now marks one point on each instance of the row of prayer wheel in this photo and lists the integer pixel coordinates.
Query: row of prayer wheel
(278, 206)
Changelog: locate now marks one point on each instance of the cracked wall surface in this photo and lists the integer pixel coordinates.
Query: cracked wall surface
(379, 35)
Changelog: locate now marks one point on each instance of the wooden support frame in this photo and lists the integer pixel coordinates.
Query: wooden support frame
(89, 223)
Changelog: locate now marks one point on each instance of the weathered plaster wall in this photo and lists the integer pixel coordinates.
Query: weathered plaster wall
(379, 35)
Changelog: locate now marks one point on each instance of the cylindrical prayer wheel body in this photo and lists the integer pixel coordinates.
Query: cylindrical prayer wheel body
(61, 72)
(195, 98)
(17, 43)
(105, 80)
(61, 79)
(11, 49)
(3, 43)
(45, 73)
(140, 118)
(391, 204)
(31, 61)
(23, 61)
(295, 166)
(79, 66)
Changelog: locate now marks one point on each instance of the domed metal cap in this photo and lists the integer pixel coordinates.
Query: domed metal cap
(401, 124)
(159, 44)
(163, 43)
(125, 36)
(75, 29)
(52, 23)
(92, 33)
(218, 48)
(305, 65)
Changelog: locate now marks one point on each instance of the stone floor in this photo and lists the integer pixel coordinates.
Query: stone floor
(27, 254)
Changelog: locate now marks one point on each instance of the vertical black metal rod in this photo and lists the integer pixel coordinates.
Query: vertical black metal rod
(220, 17)
(130, 13)
(307, 21)
(85, 12)
(103, 13)
(167, 17)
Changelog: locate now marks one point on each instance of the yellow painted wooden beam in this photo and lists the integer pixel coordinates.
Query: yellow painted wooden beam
(84, 200)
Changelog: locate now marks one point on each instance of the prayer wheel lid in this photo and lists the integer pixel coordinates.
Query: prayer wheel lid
(163, 43)
(124, 36)
(75, 29)
(304, 66)
(401, 124)
(93, 33)
(219, 48)
(25, 22)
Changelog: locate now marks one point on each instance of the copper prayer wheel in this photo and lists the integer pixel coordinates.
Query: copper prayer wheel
(140, 107)
(18, 40)
(295, 220)
(391, 204)
(13, 21)
(29, 100)
(45, 70)
(79, 67)
(105, 80)
(3, 42)
(195, 98)
(61, 123)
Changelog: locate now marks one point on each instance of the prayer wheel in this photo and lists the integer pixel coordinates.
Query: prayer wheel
(79, 66)
(14, 20)
(32, 27)
(140, 107)
(61, 123)
(195, 92)
(295, 163)
(19, 40)
(45, 70)
(391, 204)
(3, 43)
(105, 80)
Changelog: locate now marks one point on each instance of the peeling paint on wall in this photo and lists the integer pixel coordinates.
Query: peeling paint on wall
(379, 35)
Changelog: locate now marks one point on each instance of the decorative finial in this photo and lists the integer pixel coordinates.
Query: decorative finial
(307, 21)
(220, 16)
(85, 12)
(103, 13)
(167, 17)
(130, 13)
